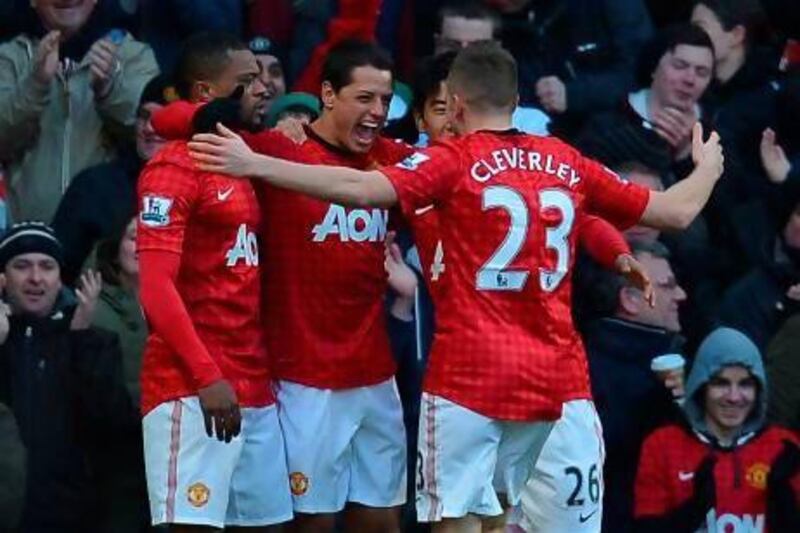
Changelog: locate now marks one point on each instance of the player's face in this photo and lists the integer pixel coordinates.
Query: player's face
(69, 16)
(668, 294)
(359, 109)
(435, 120)
(32, 283)
(272, 79)
(644, 233)
(128, 259)
(730, 398)
(458, 32)
(242, 70)
(724, 41)
(682, 76)
(148, 142)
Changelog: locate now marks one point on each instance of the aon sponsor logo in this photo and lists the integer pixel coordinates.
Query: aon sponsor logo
(731, 523)
(357, 225)
(245, 249)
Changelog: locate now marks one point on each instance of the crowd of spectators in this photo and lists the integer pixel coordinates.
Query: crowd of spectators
(622, 80)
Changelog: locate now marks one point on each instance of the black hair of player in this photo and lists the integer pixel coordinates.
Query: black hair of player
(350, 54)
(204, 56)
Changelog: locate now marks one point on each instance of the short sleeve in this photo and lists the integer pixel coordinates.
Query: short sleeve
(610, 197)
(167, 196)
(425, 177)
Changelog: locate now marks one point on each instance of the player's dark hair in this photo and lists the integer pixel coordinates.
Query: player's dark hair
(666, 41)
(471, 10)
(204, 56)
(428, 77)
(349, 55)
(485, 75)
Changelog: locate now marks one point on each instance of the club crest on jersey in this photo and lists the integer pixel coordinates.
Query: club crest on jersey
(356, 225)
(413, 161)
(756, 475)
(298, 482)
(198, 494)
(155, 211)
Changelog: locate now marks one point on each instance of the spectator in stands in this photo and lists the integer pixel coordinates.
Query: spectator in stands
(61, 89)
(741, 102)
(654, 123)
(118, 311)
(653, 126)
(62, 379)
(646, 177)
(462, 23)
(165, 24)
(101, 198)
(302, 107)
(762, 300)
(12, 465)
(630, 399)
(118, 306)
(576, 57)
(270, 60)
(782, 360)
(726, 469)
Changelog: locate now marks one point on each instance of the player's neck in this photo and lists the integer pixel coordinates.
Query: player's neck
(325, 128)
(486, 122)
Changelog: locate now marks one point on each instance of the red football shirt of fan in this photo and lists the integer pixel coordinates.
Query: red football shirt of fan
(211, 221)
(324, 280)
(671, 455)
(505, 345)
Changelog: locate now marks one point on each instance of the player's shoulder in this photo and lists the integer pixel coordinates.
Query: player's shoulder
(172, 164)
(172, 153)
(388, 151)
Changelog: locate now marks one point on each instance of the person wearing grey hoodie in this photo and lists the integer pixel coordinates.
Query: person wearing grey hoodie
(725, 467)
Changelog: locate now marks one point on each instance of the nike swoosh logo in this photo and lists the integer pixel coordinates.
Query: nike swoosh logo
(223, 195)
(685, 476)
(423, 210)
(587, 517)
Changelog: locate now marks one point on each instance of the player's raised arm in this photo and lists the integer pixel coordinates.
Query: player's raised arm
(677, 207)
(227, 153)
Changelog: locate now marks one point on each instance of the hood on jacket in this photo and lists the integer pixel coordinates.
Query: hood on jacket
(724, 347)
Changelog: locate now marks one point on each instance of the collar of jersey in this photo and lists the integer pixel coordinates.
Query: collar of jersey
(313, 135)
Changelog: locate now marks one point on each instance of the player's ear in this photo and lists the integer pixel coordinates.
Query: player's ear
(327, 95)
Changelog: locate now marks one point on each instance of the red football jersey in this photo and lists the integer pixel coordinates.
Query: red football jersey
(670, 456)
(211, 220)
(505, 345)
(324, 279)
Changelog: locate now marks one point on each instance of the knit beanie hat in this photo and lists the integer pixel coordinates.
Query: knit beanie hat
(27, 238)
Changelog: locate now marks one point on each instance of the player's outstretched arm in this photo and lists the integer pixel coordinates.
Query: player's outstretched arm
(227, 153)
(677, 207)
